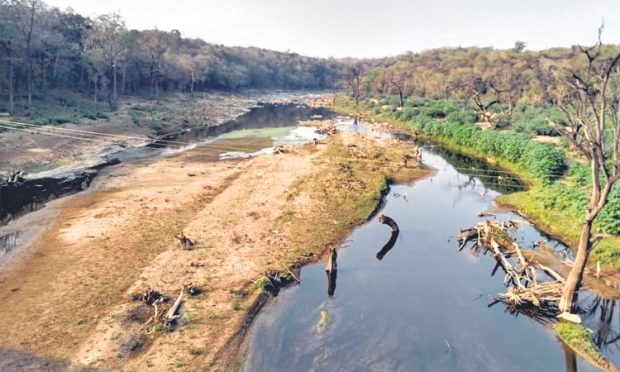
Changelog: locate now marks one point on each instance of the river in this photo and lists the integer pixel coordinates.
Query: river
(424, 305)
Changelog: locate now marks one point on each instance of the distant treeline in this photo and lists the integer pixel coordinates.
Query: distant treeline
(482, 76)
(43, 48)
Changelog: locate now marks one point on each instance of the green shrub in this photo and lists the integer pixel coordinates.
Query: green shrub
(94, 115)
(544, 161)
(408, 113)
(415, 102)
(609, 219)
(462, 117)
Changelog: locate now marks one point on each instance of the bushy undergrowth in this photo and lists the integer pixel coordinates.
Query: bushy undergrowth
(454, 121)
(544, 161)
(533, 120)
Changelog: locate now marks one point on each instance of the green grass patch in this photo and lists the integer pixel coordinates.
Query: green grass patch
(350, 190)
(579, 339)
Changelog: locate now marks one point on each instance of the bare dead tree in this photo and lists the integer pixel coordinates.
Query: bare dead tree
(590, 104)
(356, 82)
(485, 94)
(398, 81)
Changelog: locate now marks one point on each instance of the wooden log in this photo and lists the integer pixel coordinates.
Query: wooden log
(388, 221)
(463, 236)
(186, 243)
(170, 315)
(511, 273)
(332, 265)
(552, 273)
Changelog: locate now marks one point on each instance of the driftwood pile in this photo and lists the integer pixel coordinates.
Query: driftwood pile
(521, 277)
(164, 313)
(14, 177)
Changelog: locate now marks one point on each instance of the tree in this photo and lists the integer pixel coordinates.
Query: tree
(485, 95)
(105, 43)
(7, 46)
(397, 78)
(156, 43)
(519, 46)
(26, 12)
(589, 100)
(356, 82)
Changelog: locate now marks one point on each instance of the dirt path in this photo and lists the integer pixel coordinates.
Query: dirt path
(71, 297)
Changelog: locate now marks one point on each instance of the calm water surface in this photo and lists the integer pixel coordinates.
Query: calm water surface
(424, 306)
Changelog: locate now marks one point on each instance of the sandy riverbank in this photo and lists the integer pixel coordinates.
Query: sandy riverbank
(69, 298)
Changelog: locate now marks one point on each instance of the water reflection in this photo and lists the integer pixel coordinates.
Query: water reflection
(493, 178)
(332, 271)
(599, 317)
(331, 281)
(389, 245)
(431, 323)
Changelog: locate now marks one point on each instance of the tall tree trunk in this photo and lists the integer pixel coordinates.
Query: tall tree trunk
(400, 95)
(192, 84)
(56, 63)
(81, 78)
(29, 76)
(96, 90)
(124, 82)
(574, 277)
(11, 82)
(157, 90)
(42, 75)
(113, 95)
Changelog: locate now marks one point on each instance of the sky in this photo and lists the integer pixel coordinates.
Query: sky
(365, 28)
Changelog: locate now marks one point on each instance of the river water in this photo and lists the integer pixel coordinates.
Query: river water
(424, 306)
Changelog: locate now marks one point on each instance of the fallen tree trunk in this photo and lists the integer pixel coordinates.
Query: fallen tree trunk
(171, 314)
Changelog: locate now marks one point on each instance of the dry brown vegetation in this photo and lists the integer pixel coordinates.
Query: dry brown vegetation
(72, 298)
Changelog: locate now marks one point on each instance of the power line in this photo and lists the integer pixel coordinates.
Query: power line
(54, 134)
(44, 130)
(211, 145)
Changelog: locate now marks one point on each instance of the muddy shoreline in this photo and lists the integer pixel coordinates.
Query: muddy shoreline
(29, 194)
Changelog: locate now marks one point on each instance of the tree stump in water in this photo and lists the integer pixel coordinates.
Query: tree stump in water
(332, 265)
(388, 221)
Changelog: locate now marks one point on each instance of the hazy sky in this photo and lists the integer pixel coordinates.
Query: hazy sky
(365, 28)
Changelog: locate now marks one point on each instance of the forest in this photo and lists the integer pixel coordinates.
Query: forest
(44, 49)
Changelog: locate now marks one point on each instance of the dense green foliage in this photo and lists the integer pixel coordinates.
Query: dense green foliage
(522, 77)
(454, 120)
(564, 191)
